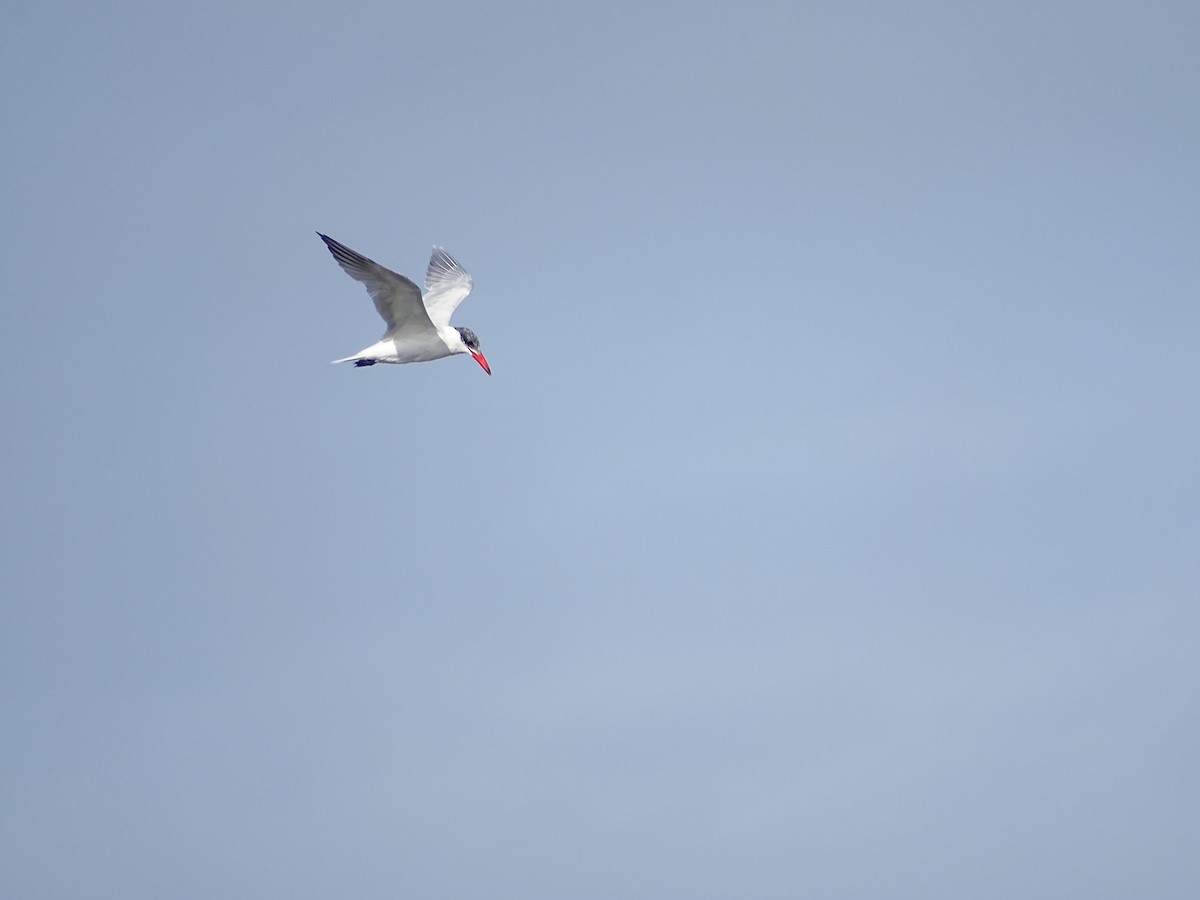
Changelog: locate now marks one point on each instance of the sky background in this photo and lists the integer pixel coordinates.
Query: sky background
(830, 526)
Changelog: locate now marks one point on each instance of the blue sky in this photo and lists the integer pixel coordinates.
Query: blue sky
(829, 526)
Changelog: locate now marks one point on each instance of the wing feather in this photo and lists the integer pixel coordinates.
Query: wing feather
(447, 284)
(397, 299)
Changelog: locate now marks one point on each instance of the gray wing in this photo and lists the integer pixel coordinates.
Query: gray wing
(397, 299)
(446, 285)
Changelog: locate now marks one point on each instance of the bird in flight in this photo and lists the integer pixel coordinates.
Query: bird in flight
(418, 325)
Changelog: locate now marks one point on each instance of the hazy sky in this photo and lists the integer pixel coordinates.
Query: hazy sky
(830, 526)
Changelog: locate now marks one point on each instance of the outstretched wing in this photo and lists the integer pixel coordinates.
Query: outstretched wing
(397, 299)
(446, 285)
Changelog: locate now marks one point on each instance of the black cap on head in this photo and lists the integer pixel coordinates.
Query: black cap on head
(469, 339)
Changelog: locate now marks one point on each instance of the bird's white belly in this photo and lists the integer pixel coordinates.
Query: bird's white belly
(408, 350)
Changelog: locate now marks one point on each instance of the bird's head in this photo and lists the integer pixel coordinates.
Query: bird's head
(471, 343)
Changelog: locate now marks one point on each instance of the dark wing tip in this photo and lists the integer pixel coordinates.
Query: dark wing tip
(350, 260)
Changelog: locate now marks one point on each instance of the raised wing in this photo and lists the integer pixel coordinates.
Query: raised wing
(446, 285)
(397, 299)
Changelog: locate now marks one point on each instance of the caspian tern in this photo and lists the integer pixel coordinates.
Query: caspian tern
(418, 326)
